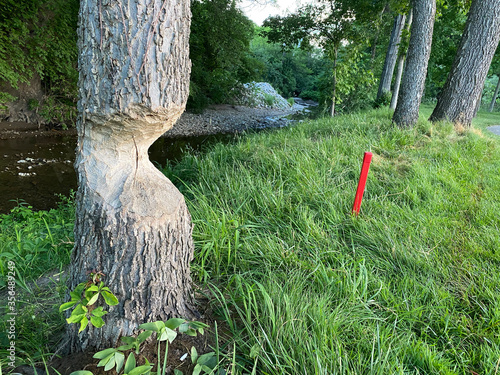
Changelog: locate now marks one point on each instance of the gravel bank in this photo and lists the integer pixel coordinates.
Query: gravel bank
(222, 119)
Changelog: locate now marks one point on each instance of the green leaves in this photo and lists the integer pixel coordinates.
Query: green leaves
(83, 298)
(166, 332)
(110, 358)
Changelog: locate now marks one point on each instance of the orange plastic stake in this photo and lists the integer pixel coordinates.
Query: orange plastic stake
(362, 182)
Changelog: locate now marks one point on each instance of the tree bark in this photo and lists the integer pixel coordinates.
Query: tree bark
(412, 84)
(334, 91)
(132, 224)
(391, 56)
(458, 102)
(495, 95)
(397, 82)
(399, 71)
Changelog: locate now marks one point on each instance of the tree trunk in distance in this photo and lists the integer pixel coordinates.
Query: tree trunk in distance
(399, 70)
(397, 82)
(391, 56)
(412, 84)
(458, 102)
(335, 55)
(495, 95)
(132, 224)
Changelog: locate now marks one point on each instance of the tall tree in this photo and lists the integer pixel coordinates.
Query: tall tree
(219, 64)
(332, 25)
(459, 100)
(412, 86)
(132, 224)
(391, 56)
(401, 62)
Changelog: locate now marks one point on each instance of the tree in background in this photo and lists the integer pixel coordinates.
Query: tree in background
(413, 81)
(220, 52)
(448, 29)
(461, 95)
(132, 224)
(333, 25)
(391, 57)
(402, 50)
(292, 72)
(495, 68)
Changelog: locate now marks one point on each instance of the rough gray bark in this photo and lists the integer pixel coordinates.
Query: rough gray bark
(399, 70)
(132, 224)
(412, 84)
(495, 95)
(391, 56)
(458, 102)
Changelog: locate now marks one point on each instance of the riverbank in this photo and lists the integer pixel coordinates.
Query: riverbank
(217, 119)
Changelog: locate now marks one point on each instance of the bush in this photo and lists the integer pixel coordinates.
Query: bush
(383, 101)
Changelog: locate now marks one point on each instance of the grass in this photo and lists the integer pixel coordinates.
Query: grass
(411, 286)
(39, 243)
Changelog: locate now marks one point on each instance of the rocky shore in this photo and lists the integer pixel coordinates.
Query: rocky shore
(225, 118)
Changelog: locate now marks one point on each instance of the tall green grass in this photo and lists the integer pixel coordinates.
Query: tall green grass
(39, 243)
(412, 285)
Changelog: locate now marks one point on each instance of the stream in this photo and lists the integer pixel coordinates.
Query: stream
(37, 169)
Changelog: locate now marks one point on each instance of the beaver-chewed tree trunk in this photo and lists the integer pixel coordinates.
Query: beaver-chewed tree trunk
(132, 224)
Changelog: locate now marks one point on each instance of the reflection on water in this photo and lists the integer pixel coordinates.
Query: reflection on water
(37, 169)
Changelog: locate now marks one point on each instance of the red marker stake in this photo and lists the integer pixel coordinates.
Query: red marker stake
(362, 182)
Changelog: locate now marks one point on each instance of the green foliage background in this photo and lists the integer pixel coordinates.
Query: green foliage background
(227, 49)
(39, 36)
(220, 52)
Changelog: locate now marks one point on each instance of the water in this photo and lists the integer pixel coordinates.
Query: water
(37, 169)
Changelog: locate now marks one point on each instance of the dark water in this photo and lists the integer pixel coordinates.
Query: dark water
(36, 169)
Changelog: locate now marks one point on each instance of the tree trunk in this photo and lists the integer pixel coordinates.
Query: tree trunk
(399, 71)
(462, 91)
(412, 84)
(391, 56)
(132, 224)
(334, 91)
(495, 95)
(397, 82)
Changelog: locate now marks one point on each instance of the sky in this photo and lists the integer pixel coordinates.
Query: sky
(258, 13)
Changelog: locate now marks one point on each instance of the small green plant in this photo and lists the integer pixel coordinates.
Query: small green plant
(58, 111)
(383, 101)
(206, 363)
(84, 298)
(166, 332)
(33, 104)
(269, 99)
(291, 101)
